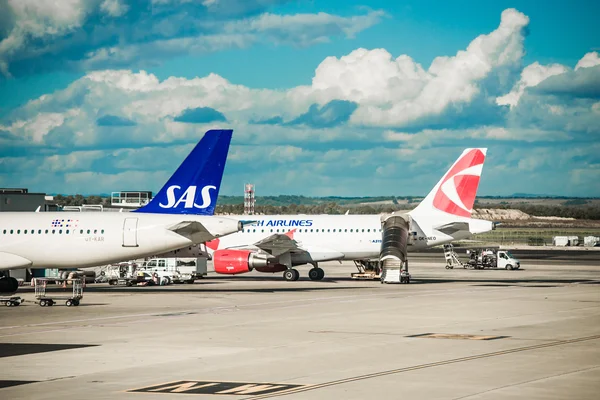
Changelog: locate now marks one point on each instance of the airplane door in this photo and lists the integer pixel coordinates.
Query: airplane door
(130, 232)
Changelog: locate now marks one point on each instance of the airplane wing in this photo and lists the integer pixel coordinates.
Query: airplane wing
(278, 244)
(192, 230)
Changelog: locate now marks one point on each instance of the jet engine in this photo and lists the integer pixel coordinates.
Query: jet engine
(233, 262)
(8, 285)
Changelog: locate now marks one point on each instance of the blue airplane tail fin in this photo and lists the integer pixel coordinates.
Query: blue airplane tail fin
(194, 187)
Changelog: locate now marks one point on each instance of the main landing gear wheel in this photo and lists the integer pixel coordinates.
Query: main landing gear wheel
(291, 275)
(316, 274)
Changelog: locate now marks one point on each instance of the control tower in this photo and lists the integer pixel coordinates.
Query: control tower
(249, 199)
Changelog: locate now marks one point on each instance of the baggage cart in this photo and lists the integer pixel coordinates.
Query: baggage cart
(11, 301)
(47, 300)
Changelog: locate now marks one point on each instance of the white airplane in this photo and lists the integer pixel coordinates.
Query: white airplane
(276, 243)
(77, 240)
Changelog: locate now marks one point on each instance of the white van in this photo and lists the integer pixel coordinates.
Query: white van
(179, 270)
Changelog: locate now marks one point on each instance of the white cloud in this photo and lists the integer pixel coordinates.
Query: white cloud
(393, 92)
(304, 29)
(114, 8)
(82, 34)
(589, 60)
(531, 76)
(57, 130)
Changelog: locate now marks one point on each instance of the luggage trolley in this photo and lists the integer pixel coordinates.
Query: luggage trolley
(11, 301)
(41, 284)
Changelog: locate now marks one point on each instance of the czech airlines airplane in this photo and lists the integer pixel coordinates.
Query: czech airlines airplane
(276, 243)
(75, 239)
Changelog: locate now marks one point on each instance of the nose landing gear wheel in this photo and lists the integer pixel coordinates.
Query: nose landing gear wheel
(291, 275)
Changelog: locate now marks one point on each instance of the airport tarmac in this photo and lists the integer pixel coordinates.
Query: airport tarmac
(450, 334)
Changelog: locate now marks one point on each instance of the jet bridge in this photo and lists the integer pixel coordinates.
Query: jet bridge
(392, 256)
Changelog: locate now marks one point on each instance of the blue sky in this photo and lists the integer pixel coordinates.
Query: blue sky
(343, 98)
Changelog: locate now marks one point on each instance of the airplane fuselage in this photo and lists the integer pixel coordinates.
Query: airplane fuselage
(336, 237)
(85, 239)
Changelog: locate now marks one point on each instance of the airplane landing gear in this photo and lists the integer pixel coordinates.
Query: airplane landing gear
(291, 275)
(316, 274)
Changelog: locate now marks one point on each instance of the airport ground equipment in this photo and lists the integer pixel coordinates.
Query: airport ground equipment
(452, 260)
(392, 256)
(47, 300)
(367, 269)
(177, 269)
(481, 258)
(11, 301)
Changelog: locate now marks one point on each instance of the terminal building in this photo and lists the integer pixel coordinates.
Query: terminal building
(20, 199)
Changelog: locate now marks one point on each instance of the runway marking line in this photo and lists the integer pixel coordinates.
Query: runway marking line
(456, 336)
(423, 366)
(231, 388)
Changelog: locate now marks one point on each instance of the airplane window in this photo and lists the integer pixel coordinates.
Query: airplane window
(4, 232)
(46, 230)
(53, 231)
(32, 231)
(67, 231)
(25, 231)
(253, 230)
(60, 231)
(95, 231)
(363, 230)
(311, 230)
(271, 230)
(18, 231)
(368, 230)
(328, 230)
(262, 230)
(345, 230)
(88, 231)
(81, 231)
(11, 231)
(351, 230)
(102, 231)
(39, 231)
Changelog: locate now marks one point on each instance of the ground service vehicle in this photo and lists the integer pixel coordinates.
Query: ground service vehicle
(481, 257)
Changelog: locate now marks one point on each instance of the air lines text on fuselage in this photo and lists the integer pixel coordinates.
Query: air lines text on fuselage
(284, 222)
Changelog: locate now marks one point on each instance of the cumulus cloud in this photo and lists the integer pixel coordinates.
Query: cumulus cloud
(392, 92)
(589, 60)
(200, 115)
(331, 114)
(97, 34)
(531, 76)
(114, 120)
(583, 81)
(367, 119)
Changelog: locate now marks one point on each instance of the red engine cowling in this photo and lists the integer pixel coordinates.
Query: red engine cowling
(233, 262)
